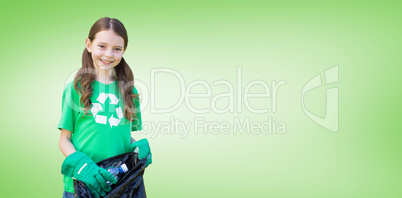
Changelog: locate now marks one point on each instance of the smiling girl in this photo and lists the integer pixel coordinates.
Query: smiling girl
(100, 108)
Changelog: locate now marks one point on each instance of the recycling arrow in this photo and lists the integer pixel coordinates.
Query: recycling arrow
(113, 98)
(96, 108)
(113, 121)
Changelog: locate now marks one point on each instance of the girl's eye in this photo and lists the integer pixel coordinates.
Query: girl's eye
(118, 49)
(101, 46)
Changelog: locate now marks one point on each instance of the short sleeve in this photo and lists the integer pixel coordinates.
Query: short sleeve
(137, 120)
(67, 118)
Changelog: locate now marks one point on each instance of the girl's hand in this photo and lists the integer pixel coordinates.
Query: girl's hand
(79, 166)
(142, 148)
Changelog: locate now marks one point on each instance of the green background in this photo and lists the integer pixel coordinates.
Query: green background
(42, 43)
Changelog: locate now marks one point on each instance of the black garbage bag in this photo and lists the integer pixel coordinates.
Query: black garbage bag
(131, 185)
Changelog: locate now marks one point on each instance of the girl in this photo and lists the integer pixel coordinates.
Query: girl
(100, 108)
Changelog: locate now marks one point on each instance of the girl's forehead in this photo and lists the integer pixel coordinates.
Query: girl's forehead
(109, 37)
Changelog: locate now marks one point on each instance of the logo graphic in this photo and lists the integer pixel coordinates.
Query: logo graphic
(101, 119)
(330, 121)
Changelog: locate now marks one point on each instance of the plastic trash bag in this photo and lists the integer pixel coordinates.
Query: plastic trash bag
(131, 185)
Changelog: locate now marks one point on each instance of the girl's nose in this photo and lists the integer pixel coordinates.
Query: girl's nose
(109, 53)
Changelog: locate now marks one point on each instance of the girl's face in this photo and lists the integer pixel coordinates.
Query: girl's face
(106, 49)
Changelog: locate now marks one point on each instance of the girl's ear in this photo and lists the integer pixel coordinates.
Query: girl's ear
(88, 45)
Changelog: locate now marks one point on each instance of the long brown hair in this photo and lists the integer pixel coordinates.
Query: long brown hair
(86, 75)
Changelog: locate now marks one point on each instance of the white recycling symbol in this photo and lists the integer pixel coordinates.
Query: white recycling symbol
(101, 119)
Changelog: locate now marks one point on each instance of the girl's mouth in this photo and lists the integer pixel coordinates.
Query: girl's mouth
(106, 62)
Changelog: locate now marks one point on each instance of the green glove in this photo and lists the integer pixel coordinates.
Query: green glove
(79, 166)
(142, 148)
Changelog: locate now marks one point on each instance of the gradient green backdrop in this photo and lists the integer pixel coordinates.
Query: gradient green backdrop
(42, 42)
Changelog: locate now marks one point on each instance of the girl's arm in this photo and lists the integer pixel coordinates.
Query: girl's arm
(65, 144)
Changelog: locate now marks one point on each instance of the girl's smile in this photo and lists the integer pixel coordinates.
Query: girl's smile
(106, 62)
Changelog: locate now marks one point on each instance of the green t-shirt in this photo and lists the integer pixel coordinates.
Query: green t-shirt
(105, 132)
